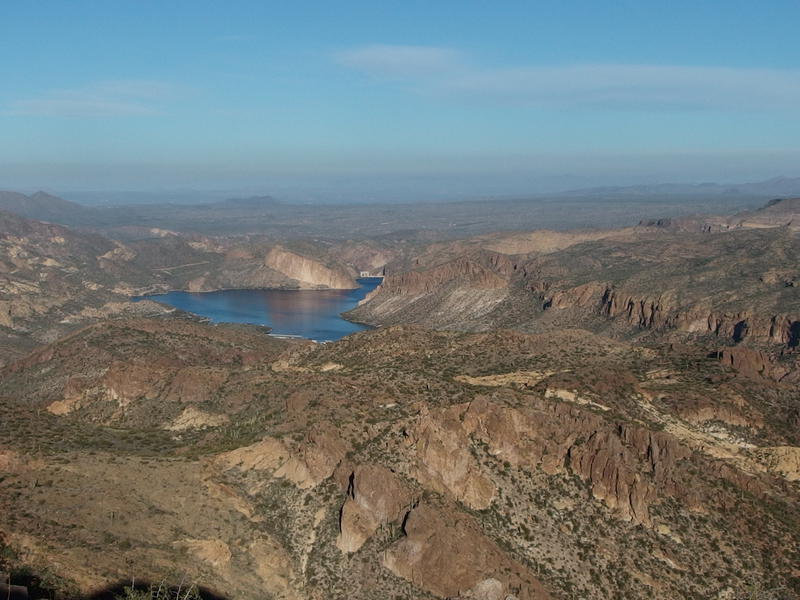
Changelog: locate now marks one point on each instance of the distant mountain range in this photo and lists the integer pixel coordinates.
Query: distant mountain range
(777, 186)
(262, 214)
(41, 206)
(255, 202)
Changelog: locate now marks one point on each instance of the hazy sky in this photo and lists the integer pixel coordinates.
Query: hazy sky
(115, 94)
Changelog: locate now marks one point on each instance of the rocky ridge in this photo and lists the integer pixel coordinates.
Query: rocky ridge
(734, 286)
(400, 462)
(651, 418)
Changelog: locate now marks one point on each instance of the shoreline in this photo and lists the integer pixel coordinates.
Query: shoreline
(154, 296)
(143, 292)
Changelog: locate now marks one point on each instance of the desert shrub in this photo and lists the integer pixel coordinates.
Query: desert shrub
(160, 591)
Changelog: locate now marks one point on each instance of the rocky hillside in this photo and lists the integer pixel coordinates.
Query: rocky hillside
(612, 414)
(738, 285)
(398, 463)
(51, 276)
(53, 279)
(781, 212)
(201, 264)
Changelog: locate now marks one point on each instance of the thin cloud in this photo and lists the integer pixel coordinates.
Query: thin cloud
(111, 98)
(400, 61)
(444, 71)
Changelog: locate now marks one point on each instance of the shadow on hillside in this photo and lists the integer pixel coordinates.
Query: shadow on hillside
(117, 590)
(24, 584)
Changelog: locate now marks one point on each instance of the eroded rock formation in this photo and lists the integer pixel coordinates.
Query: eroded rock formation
(375, 497)
(306, 271)
(450, 558)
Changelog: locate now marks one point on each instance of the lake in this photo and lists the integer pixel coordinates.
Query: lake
(312, 314)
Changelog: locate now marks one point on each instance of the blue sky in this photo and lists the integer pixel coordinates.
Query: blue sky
(510, 96)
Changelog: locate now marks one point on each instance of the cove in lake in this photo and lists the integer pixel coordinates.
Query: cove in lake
(312, 314)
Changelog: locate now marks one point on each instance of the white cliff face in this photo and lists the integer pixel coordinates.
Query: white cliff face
(306, 271)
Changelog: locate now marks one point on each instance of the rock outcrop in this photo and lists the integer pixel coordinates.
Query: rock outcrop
(451, 557)
(664, 312)
(444, 459)
(626, 467)
(758, 364)
(308, 272)
(784, 460)
(463, 271)
(456, 293)
(375, 497)
(305, 464)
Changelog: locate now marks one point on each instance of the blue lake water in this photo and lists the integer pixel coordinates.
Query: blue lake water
(312, 314)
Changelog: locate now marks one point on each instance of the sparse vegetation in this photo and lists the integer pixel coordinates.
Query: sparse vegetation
(619, 460)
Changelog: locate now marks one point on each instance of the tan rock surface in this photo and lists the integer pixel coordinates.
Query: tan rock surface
(375, 497)
(444, 461)
(784, 460)
(451, 557)
(308, 272)
(193, 418)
